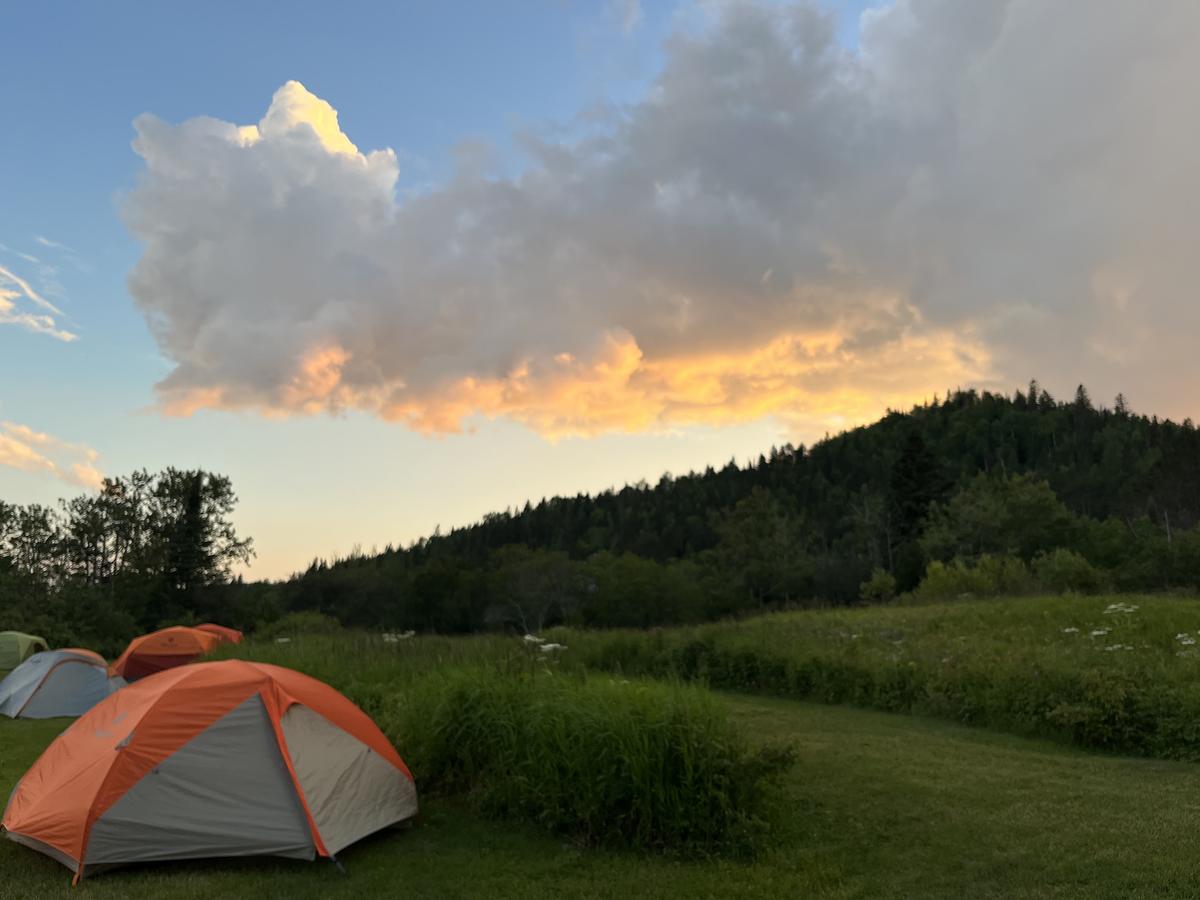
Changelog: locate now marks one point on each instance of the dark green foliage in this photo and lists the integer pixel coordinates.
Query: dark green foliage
(762, 550)
(976, 474)
(1066, 572)
(1019, 515)
(629, 590)
(144, 551)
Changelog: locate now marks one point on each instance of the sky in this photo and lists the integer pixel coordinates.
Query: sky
(394, 266)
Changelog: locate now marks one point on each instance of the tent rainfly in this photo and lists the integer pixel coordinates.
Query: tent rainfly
(16, 647)
(56, 683)
(163, 649)
(216, 759)
(231, 635)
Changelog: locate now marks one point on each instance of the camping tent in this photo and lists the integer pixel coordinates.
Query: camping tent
(163, 649)
(56, 683)
(227, 758)
(16, 647)
(232, 635)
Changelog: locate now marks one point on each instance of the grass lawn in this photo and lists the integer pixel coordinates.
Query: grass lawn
(879, 806)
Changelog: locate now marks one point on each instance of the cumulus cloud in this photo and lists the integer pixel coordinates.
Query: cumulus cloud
(21, 304)
(780, 226)
(33, 451)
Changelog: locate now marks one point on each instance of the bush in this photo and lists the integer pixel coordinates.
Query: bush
(1066, 572)
(879, 588)
(609, 763)
(988, 577)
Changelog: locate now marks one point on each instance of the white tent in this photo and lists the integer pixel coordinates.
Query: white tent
(56, 683)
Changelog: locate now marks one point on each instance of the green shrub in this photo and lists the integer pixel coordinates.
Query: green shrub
(1065, 571)
(879, 588)
(610, 763)
(989, 576)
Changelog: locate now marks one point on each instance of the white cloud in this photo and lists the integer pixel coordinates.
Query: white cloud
(17, 297)
(772, 229)
(33, 451)
(54, 245)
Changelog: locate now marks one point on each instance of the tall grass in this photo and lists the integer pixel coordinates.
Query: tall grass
(1119, 674)
(607, 762)
(617, 764)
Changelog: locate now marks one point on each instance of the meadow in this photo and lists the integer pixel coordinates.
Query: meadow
(1115, 673)
(847, 802)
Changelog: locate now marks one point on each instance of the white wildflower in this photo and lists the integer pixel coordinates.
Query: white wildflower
(1100, 632)
(553, 648)
(534, 639)
(1126, 608)
(1071, 630)
(283, 640)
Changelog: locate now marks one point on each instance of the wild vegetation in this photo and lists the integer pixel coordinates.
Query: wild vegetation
(976, 494)
(636, 765)
(877, 805)
(971, 560)
(1105, 672)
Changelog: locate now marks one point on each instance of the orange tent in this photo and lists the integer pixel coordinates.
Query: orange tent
(163, 649)
(232, 635)
(227, 758)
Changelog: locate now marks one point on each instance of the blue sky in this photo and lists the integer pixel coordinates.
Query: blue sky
(833, 227)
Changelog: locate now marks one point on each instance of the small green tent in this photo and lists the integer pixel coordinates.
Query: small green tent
(16, 647)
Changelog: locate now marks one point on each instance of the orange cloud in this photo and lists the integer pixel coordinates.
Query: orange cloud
(34, 451)
(810, 382)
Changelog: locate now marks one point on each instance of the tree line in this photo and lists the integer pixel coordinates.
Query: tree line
(972, 493)
(145, 550)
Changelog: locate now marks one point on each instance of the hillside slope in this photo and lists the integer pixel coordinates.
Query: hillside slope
(802, 524)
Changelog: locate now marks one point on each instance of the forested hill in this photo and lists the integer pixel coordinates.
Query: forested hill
(975, 494)
(1099, 461)
(843, 508)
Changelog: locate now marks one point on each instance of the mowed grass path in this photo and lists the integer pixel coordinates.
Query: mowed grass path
(879, 806)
